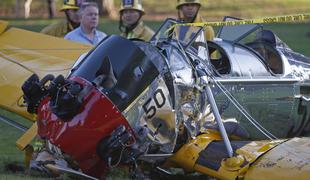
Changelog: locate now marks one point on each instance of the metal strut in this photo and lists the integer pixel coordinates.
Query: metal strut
(219, 120)
(13, 123)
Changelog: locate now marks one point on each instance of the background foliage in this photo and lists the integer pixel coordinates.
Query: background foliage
(158, 9)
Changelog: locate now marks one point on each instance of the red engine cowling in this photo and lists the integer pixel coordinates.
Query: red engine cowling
(79, 137)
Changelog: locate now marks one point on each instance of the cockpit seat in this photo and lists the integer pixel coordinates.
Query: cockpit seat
(232, 127)
(265, 44)
(266, 36)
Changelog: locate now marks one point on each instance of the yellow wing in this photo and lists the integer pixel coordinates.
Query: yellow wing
(23, 53)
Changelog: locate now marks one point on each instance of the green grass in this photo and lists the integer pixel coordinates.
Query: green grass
(296, 35)
(11, 159)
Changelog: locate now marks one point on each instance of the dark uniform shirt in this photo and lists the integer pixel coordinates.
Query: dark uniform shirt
(59, 29)
(141, 32)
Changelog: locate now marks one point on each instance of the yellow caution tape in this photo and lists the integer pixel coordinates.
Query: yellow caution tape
(266, 20)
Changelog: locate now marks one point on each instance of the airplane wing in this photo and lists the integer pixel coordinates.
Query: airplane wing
(23, 53)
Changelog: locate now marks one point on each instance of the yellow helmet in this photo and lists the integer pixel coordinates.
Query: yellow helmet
(182, 2)
(132, 4)
(70, 4)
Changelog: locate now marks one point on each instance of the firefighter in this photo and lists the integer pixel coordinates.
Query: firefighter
(130, 24)
(188, 12)
(72, 21)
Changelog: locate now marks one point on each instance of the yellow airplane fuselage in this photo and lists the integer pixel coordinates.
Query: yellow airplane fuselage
(280, 159)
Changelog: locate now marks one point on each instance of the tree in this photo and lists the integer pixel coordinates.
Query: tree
(17, 8)
(51, 8)
(27, 8)
(107, 8)
(110, 9)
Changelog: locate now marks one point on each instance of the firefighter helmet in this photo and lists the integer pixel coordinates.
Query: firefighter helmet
(132, 4)
(70, 4)
(182, 2)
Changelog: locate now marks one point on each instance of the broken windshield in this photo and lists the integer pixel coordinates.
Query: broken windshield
(185, 35)
(236, 33)
(122, 76)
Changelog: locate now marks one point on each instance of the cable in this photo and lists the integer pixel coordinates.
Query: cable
(241, 109)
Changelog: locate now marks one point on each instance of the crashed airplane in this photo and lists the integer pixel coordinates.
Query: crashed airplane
(231, 108)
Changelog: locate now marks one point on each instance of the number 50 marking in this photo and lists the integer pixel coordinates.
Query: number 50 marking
(159, 99)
